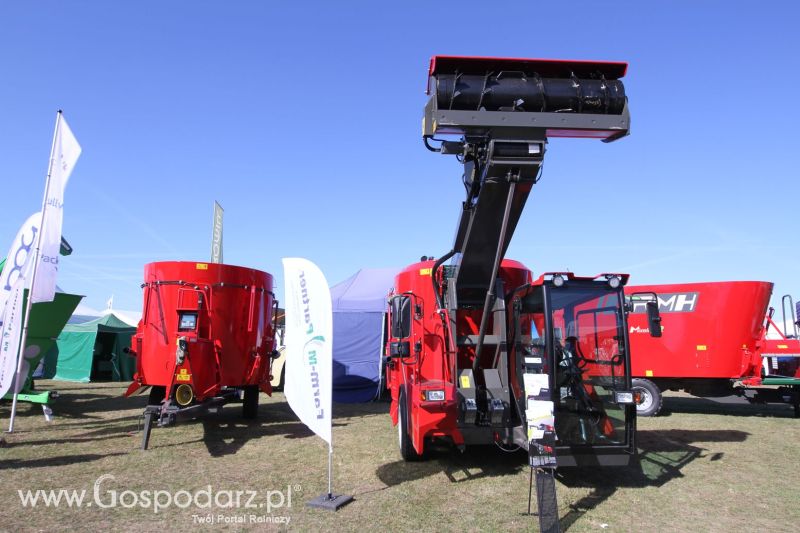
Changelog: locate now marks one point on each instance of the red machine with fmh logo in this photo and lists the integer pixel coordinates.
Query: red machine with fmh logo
(206, 337)
(714, 343)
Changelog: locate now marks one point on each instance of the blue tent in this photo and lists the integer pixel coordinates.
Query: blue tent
(359, 303)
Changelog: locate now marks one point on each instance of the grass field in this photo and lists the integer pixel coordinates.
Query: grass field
(703, 466)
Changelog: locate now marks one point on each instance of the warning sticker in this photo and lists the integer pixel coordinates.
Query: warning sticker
(183, 375)
(464, 382)
(648, 373)
(424, 271)
(201, 266)
(702, 347)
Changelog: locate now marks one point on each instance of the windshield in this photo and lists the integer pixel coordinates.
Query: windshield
(586, 343)
(589, 350)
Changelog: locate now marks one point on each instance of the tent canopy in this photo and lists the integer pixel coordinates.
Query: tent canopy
(359, 303)
(94, 351)
(365, 291)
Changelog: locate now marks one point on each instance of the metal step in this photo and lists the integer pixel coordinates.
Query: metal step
(781, 381)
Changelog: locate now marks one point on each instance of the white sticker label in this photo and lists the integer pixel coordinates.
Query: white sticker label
(534, 383)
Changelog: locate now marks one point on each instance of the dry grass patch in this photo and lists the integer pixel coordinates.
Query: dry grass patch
(703, 467)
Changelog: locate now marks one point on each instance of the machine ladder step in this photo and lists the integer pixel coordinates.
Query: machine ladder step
(781, 381)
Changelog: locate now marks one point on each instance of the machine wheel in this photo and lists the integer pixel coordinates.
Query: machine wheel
(407, 451)
(156, 395)
(282, 381)
(651, 397)
(250, 402)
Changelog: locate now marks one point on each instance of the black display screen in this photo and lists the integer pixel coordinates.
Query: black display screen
(188, 321)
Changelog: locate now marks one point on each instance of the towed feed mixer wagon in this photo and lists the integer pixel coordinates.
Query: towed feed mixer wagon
(715, 343)
(206, 337)
(477, 351)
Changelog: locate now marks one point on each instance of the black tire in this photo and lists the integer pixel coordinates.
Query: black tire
(407, 451)
(157, 395)
(652, 399)
(282, 381)
(250, 402)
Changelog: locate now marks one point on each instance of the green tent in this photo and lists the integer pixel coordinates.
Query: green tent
(95, 351)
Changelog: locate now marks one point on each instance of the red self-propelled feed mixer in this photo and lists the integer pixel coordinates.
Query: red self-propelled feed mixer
(206, 337)
(480, 352)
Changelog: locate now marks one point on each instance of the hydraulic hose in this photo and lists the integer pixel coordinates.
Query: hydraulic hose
(436, 266)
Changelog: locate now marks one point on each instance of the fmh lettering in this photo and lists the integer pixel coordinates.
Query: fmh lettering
(678, 302)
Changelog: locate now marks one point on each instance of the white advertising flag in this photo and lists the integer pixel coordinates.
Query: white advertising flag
(309, 339)
(216, 234)
(10, 333)
(66, 151)
(19, 258)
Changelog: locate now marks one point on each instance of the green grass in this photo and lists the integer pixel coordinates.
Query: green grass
(703, 467)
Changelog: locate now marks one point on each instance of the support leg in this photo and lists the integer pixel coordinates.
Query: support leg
(530, 490)
(147, 427)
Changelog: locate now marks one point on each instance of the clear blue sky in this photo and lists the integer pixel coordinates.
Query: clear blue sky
(303, 121)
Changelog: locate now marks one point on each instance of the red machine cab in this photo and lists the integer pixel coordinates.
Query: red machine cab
(560, 329)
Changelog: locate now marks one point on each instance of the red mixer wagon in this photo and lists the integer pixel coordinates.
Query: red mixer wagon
(714, 344)
(206, 337)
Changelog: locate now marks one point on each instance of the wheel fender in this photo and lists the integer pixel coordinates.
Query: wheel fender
(415, 431)
(393, 406)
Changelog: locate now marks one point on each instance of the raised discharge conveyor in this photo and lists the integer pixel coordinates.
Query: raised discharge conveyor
(502, 113)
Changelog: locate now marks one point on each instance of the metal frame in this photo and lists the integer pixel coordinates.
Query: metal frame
(581, 453)
(535, 124)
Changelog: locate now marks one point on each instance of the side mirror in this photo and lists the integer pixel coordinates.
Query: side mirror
(401, 316)
(653, 319)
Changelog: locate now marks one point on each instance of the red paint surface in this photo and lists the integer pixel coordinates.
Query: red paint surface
(727, 320)
(544, 67)
(234, 338)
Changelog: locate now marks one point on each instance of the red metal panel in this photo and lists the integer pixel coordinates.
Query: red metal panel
(544, 67)
(233, 340)
(710, 330)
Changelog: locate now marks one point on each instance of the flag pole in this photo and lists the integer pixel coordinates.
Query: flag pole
(330, 501)
(330, 469)
(29, 302)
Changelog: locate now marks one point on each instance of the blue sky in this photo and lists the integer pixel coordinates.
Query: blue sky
(303, 120)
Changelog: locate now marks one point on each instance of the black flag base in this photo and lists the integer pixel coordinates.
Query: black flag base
(330, 502)
(546, 500)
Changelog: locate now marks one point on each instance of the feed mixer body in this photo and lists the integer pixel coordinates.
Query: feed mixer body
(205, 325)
